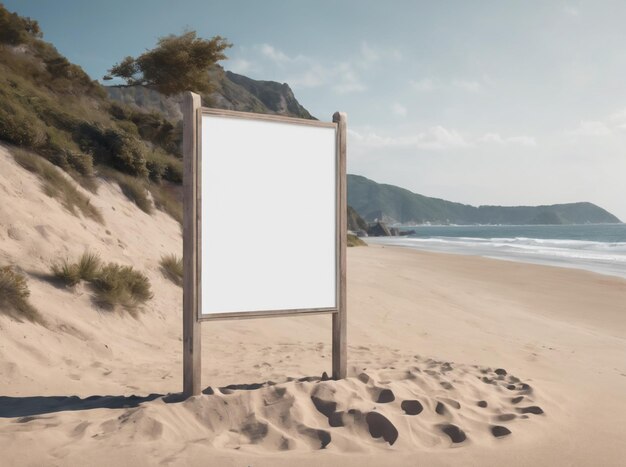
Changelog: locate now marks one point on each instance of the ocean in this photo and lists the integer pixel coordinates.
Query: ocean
(596, 248)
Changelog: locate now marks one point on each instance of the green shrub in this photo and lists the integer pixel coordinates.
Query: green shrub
(172, 266)
(174, 171)
(164, 166)
(156, 170)
(113, 147)
(126, 153)
(56, 185)
(70, 161)
(353, 240)
(121, 285)
(14, 295)
(19, 129)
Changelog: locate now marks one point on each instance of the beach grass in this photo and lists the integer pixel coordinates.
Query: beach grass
(14, 294)
(165, 200)
(172, 266)
(56, 185)
(66, 272)
(87, 268)
(134, 188)
(121, 285)
(114, 284)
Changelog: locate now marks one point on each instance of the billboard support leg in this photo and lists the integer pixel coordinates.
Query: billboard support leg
(191, 326)
(340, 322)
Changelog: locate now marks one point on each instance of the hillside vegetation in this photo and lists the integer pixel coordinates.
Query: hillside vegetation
(393, 204)
(130, 135)
(51, 107)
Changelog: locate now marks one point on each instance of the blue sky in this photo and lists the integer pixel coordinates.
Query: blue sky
(480, 102)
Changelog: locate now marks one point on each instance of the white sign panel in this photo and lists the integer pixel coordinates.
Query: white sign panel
(268, 216)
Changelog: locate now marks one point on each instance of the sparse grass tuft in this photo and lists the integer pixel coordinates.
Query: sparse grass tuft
(87, 269)
(56, 185)
(165, 199)
(134, 188)
(66, 272)
(88, 266)
(114, 284)
(121, 285)
(172, 266)
(14, 295)
(353, 240)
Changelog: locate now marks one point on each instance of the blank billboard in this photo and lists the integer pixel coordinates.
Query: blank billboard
(268, 215)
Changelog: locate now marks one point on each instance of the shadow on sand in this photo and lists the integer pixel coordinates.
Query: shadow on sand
(11, 407)
(31, 406)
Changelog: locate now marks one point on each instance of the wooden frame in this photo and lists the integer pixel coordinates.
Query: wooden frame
(192, 242)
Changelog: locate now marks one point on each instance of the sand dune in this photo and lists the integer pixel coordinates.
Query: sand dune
(453, 360)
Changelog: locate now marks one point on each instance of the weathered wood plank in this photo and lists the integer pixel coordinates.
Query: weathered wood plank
(191, 325)
(340, 322)
(268, 117)
(266, 314)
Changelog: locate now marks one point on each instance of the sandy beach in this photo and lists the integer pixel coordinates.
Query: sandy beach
(442, 349)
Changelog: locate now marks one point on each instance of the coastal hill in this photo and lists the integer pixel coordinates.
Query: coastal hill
(129, 135)
(392, 204)
(232, 92)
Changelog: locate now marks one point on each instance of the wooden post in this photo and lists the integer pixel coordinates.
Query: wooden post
(340, 345)
(191, 326)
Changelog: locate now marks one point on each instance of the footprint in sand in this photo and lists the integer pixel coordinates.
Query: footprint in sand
(385, 396)
(455, 434)
(533, 410)
(506, 417)
(412, 407)
(500, 431)
(380, 427)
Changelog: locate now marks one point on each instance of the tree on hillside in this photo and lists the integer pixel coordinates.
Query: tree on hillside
(15, 29)
(176, 64)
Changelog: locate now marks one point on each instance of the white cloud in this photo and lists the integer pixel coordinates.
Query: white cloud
(496, 138)
(429, 85)
(618, 119)
(571, 10)
(307, 72)
(340, 77)
(435, 138)
(423, 85)
(302, 71)
(314, 76)
(432, 138)
(398, 109)
(240, 65)
(590, 128)
(439, 137)
(611, 126)
(273, 53)
(471, 86)
(369, 54)
(345, 79)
